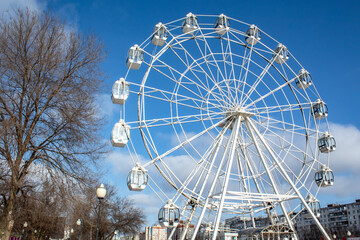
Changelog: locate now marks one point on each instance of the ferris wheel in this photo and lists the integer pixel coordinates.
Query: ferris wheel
(230, 122)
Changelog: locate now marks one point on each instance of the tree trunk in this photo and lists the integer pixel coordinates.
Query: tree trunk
(7, 221)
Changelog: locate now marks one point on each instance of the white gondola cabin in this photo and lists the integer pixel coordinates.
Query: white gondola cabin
(319, 109)
(160, 35)
(253, 35)
(120, 91)
(303, 79)
(314, 205)
(326, 143)
(120, 134)
(222, 25)
(324, 177)
(169, 215)
(135, 57)
(137, 178)
(190, 24)
(281, 54)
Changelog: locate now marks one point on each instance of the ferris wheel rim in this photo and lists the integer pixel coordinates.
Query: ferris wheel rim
(216, 114)
(203, 57)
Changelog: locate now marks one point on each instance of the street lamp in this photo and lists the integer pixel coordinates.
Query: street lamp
(100, 192)
(348, 233)
(115, 233)
(23, 231)
(334, 236)
(78, 222)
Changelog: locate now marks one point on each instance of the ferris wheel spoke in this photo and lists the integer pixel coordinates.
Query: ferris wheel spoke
(171, 75)
(286, 126)
(168, 96)
(182, 83)
(270, 93)
(208, 77)
(208, 159)
(291, 145)
(258, 81)
(215, 62)
(182, 100)
(232, 64)
(226, 93)
(192, 68)
(159, 122)
(284, 108)
(246, 74)
(227, 75)
(187, 141)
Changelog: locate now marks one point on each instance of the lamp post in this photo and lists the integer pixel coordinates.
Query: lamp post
(100, 192)
(115, 233)
(348, 233)
(23, 231)
(78, 222)
(334, 236)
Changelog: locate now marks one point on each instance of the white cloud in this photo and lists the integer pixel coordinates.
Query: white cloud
(150, 205)
(346, 157)
(147, 201)
(345, 162)
(121, 161)
(107, 108)
(8, 5)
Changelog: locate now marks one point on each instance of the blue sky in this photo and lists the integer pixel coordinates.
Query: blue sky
(323, 36)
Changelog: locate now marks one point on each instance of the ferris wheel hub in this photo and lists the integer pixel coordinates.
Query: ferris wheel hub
(235, 113)
(239, 112)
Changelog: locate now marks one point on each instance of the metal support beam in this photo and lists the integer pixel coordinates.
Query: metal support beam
(288, 179)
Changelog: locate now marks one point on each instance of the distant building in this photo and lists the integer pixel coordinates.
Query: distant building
(155, 232)
(335, 218)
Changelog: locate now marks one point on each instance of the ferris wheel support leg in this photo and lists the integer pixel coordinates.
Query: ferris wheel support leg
(213, 156)
(183, 234)
(198, 224)
(258, 149)
(240, 166)
(257, 185)
(288, 179)
(233, 139)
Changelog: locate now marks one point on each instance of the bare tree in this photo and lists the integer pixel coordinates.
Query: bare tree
(43, 208)
(121, 215)
(117, 214)
(49, 77)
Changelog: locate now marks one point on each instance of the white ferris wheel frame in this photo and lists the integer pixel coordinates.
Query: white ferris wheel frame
(239, 137)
